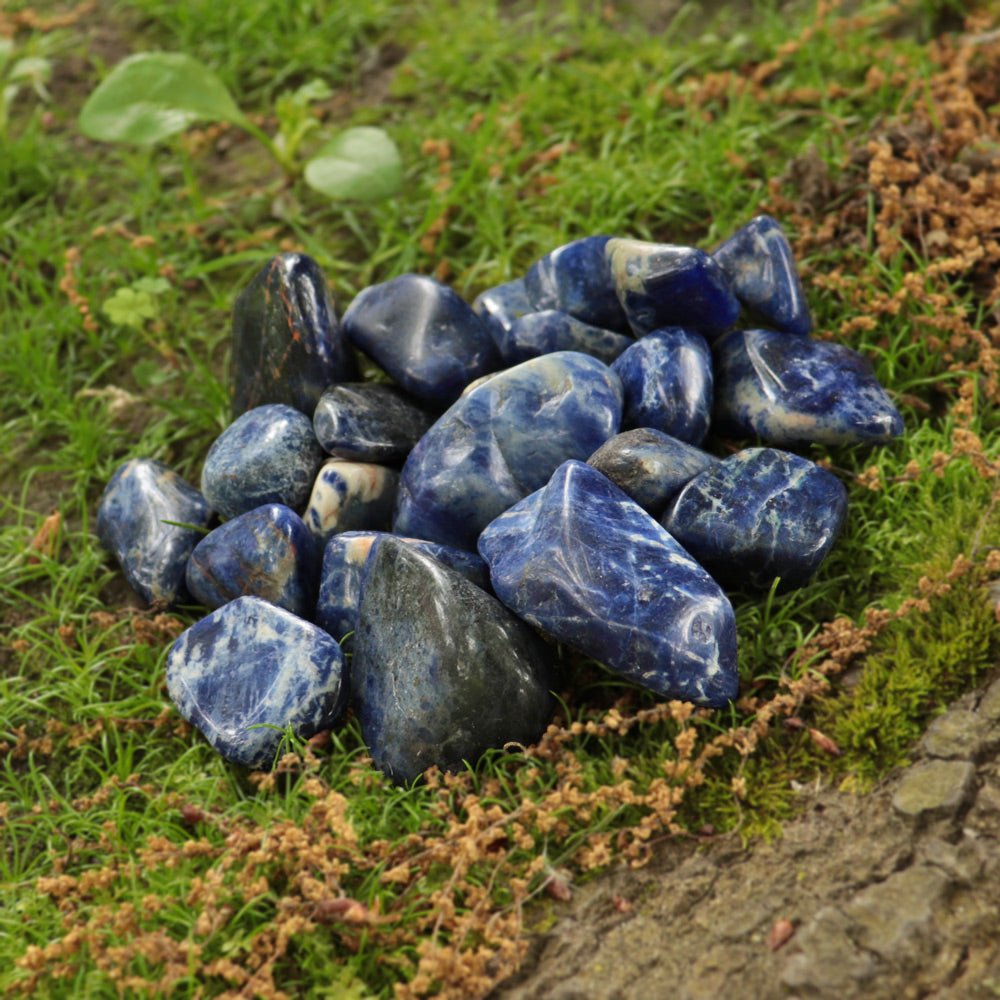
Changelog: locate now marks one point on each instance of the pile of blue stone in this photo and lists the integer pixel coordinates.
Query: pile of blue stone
(532, 474)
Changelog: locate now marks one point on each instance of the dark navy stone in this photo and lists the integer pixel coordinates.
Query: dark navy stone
(424, 335)
(667, 377)
(250, 666)
(758, 515)
(441, 671)
(501, 305)
(791, 390)
(501, 441)
(134, 519)
(650, 466)
(538, 333)
(368, 422)
(351, 496)
(269, 455)
(287, 345)
(266, 553)
(587, 565)
(760, 267)
(664, 285)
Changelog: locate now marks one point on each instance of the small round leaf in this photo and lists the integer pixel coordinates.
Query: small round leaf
(360, 163)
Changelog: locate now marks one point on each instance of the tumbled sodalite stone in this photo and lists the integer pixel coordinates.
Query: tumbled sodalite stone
(423, 334)
(287, 345)
(351, 496)
(500, 305)
(664, 285)
(441, 670)
(760, 267)
(501, 441)
(368, 422)
(760, 514)
(268, 455)
(344, 561)
(134, 519)
(650, 466)
(587, 565)
(790, 390)
(667, 377)
(267, 553)
(538, 333)
(250, 666)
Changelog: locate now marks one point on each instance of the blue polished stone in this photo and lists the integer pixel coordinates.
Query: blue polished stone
(760, 514)
(424, 335)
(441, 671)
(538, 333)
(268, 455)
(587, 565)
(667, 377)
(267, 553)
(500, 305)
(140, 521)
(501, 441)
(787, 389)
(650, 466)
(664, 285)
(249, 667)
(760, 266)
(287, 345)
(351, 496)
(368, 422)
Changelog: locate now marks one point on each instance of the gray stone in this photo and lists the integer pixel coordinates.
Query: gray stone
(934, 789)
(958, 733)
(989, 704)
(827, 963)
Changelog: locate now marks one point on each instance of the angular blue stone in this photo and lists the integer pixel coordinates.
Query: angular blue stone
(424, 335)
(134, 523)
(650, 466)
(268, 455)
(760, 266)
(500, 305)
(441, 671)
(757, 515)
(664, 285)
(266, 553)
(667, 377)
(287, 346)
(538, 333)
(351, 496)
(501, 441)
(587, 565)
(791, 390)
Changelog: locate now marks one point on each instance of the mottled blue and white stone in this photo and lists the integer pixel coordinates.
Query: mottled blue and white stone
(667, 377)
(266, 553)
(351, 496)
(441, 671)
(250, 666)
(423, 334)
(664, 285)
(268, 455)
(760, 266)
(368, 422)
(140, 522)
(587, 565)
(501, 441)
(787, 389)
(550, 330)
(500, 305)
(760, 514)
(650, 466)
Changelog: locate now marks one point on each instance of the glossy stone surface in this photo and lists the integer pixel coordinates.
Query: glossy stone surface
(759, 264)
(268, 455)
(351, 496)
(368, 422)
(667, 377)
(538, 333)
(501, 441)
(792, 390)
(249, 666)
(587, 565)
(500, 305)
(133, 517)
(759, 514)
(266, 553)
(441, 671)
(287, 344)
(664, 285)
(423, 334)
(650, 466)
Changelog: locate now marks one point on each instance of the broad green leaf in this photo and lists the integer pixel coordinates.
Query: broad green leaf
(314, 90)
(127, 307)
(34, 69)
(360, 163)
(153, 95)
(155, 286)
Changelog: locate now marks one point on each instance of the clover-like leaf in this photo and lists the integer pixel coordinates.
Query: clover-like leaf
(360, 163)
(128, 307)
